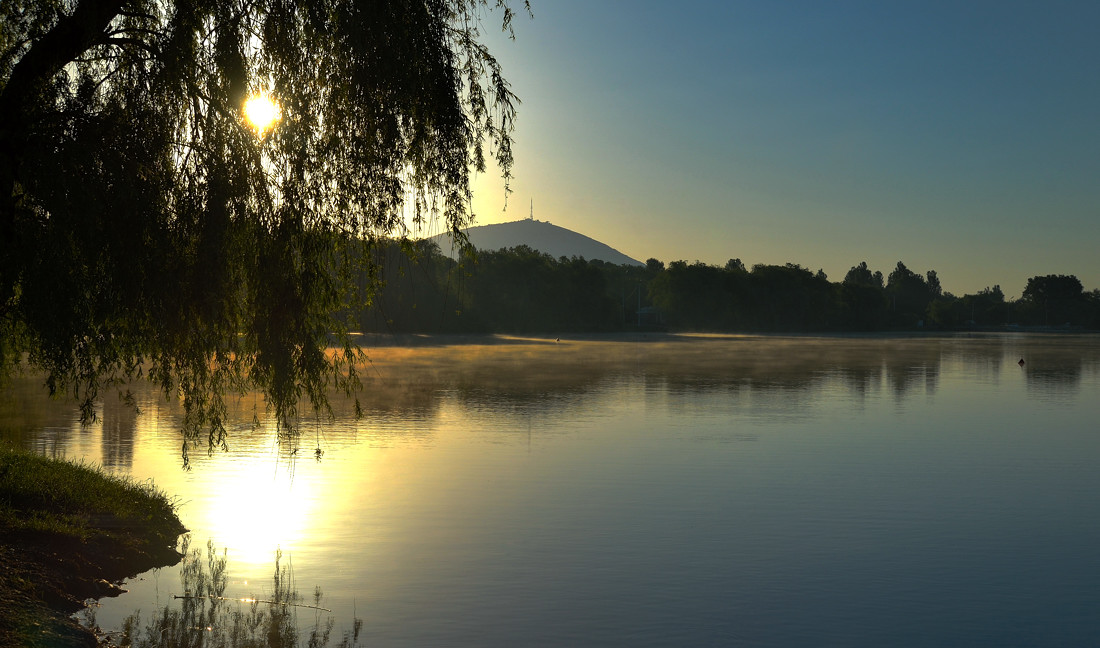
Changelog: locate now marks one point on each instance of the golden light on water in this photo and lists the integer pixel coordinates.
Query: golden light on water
(262, 112)
(259, 510)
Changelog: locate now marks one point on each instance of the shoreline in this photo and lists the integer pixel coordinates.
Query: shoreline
(70, 533)
(369, 341)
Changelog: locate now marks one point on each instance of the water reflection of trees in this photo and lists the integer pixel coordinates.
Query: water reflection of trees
(802, 366)
(1055, 365)
(1055, 386)
(30, 419)
(405, 385)
(117, 440)
(685, 363)
(204, 616)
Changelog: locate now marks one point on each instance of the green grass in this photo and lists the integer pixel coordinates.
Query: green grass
(60, 497)
(64, 528)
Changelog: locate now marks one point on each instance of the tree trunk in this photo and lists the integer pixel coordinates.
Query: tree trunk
(21, 102)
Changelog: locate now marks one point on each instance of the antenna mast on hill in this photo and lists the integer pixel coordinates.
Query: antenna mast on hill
(532, 216)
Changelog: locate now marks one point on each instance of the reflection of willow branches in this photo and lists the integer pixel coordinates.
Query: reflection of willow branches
(208, 618)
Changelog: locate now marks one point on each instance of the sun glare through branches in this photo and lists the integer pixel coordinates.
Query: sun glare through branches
(262, 112)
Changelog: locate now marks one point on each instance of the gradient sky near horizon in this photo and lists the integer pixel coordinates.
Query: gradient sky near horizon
(960, 137)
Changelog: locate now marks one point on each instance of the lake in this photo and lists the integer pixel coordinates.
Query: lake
(652, 491)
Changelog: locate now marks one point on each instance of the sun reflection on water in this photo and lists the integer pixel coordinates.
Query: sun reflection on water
(258, 506)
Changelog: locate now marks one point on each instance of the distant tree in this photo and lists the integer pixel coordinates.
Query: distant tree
(1053, 287)
(414, 288)
(626, 286)
(1092, 309)
(909, 296)
(989, 307)
(933, 282)
(515, 290)
(995, 294)
(522, 290)
(147, 230)
(861, 302)
(860, 275)
(586, 306)
(735, 265)
(790, 298)
(1055, 299)
(692, 296)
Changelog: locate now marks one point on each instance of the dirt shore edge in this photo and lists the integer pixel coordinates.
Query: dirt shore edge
(45, 580)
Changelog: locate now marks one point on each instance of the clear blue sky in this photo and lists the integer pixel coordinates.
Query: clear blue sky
(961, 137)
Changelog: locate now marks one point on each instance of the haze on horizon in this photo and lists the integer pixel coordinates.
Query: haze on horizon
(960, 138)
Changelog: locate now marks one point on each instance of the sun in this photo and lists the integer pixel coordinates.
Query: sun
(262, 112)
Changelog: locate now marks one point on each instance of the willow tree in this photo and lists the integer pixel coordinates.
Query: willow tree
(148, 230)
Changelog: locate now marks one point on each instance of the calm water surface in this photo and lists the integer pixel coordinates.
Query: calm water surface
(754, 491)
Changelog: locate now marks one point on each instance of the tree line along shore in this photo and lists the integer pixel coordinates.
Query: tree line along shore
(418, 289)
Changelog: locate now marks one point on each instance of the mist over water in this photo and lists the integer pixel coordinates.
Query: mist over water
(666, 490)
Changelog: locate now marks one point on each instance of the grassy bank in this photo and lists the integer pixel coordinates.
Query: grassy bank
(69, 532)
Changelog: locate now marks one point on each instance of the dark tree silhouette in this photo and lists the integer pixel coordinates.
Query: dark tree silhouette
(862, 304)
(1055, 299)
(735, 265)
(523, 290)
(146, 230)
(909, 295)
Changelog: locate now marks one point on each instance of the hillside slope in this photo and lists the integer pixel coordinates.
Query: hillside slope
(539, 235)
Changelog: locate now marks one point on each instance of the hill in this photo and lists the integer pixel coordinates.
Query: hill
(538, 235)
